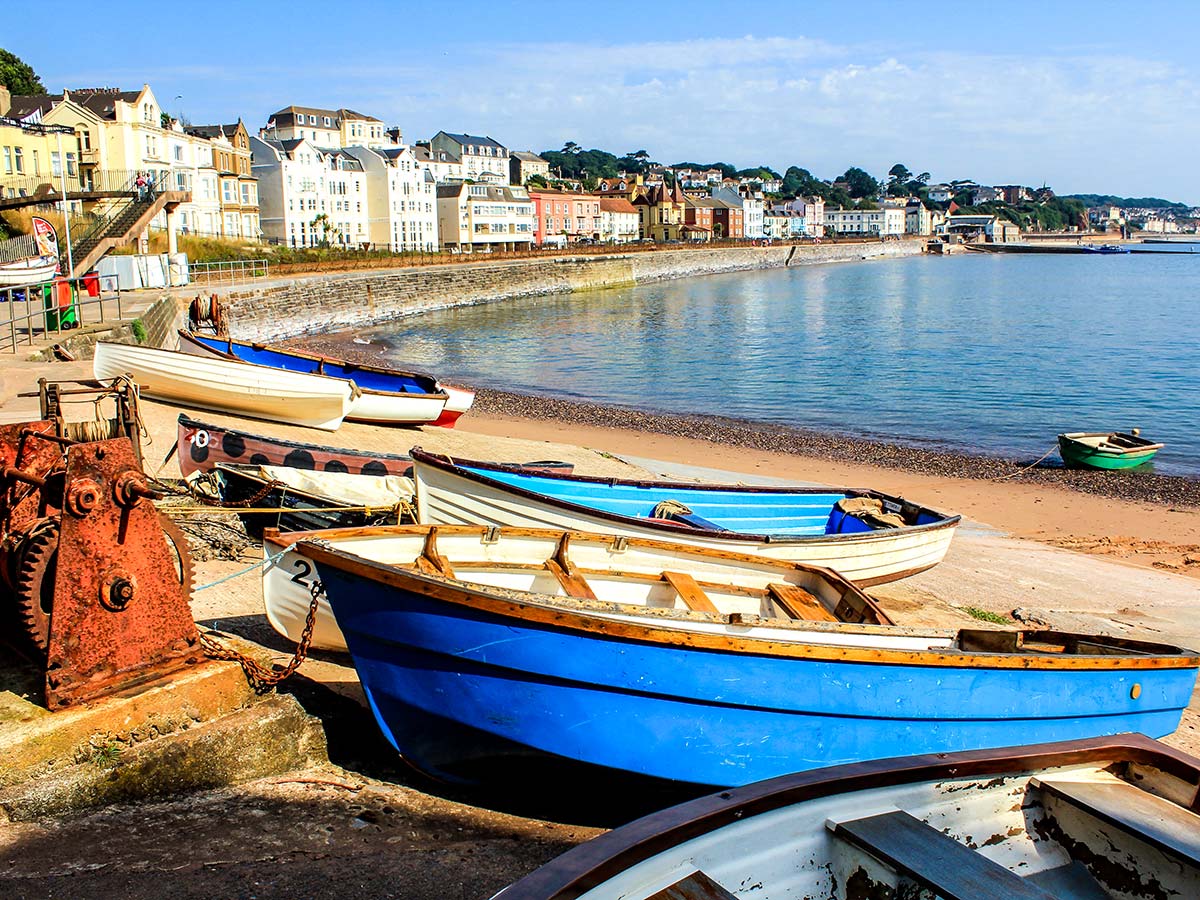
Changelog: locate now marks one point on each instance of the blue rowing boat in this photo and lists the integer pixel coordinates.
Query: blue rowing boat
(867, 536)
(386, 395)
(479, 658)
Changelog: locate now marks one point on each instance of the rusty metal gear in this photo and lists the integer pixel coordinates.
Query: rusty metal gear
(178, 545)
(35, 585)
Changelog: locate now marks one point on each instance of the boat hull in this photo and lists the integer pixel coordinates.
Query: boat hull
(459, 690)
(446, 497)
(202, 445)
(228, 386)
(386, 397)
(1077, 455)
(28, 271)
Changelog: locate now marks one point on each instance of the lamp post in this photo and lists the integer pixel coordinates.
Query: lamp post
(62, 162)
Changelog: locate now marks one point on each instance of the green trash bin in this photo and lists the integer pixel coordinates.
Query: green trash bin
(62, 310)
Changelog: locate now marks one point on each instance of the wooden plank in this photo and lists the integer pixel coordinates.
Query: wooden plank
(1151, 819)
(799, 603)
(690, 592)
(696, 886)
(937, 862)
(572, 582)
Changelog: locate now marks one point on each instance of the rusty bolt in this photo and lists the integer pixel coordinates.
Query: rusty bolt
(120, 594)
(82, 495)
(129, 488)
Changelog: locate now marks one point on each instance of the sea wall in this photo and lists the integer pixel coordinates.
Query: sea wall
(324, 303)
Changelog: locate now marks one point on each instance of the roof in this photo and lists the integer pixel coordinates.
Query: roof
(472, 139)
(423, 153)
(526, 156)
(616, 205)
(211, 131)
(103, 101)
(351, 114)
(23, 106)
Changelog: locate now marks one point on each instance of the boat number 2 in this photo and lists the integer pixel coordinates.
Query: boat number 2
(303, 569)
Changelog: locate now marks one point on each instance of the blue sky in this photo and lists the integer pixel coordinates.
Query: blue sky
(1085, 97)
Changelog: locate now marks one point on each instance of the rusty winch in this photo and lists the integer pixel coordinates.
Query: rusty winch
(99, 579)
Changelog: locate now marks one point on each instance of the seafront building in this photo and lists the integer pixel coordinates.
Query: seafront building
(401, 199)
(123, 133)
(311, 196)
(884, 222)
(661, 212)
(562, 217)
(482, 217)
(236, 187)
(327, 128)
(523, 165)
(618, 220)
(482, 158)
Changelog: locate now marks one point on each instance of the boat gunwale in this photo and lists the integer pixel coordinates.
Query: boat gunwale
(186, 421)
(457, 467)
(540, 610)
(333, 360)
(588, 866)
(1073, 437)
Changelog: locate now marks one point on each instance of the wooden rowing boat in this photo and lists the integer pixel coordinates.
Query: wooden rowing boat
(202, 445)
(494, 647)
(1106, 449)
(1083, 820)
(287, 597)
(301, 500)
(808, 525)
(225, 385)
(388, 396)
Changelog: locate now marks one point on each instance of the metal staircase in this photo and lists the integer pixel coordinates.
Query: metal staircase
(115, 229)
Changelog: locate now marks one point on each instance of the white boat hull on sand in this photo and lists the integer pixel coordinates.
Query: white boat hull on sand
(390, 408)
(34, 270)
(875, 557)
(226, 386)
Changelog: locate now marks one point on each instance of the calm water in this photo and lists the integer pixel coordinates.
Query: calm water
(974, 352)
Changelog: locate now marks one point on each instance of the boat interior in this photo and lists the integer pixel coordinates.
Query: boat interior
(788, 513)
(1108, 832)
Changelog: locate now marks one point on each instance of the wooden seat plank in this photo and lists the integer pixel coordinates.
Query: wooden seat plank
(1159, 822)
(935, 861)
(799, 603)
(690, 592)
(573, 583)
(696, 886)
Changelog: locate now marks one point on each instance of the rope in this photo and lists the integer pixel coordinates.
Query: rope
(1028, 467)
(666, 508)
(274, 557)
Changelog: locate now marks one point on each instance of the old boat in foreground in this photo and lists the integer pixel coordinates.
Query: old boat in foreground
(225, 385)
(202, 445)
(867, 536)
(492, 555)
(388, 396)
(1084, 820)
(472, 667)
(1106, 449)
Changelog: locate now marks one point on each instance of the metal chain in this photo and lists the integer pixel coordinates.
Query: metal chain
(260, 676)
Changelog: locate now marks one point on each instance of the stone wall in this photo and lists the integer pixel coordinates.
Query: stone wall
(331, 302)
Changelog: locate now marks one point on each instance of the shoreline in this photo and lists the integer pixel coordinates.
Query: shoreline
(1147, 487)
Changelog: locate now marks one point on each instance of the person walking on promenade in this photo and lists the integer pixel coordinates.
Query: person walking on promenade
(141, 184)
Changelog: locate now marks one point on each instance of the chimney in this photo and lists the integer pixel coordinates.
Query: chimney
(5, 100)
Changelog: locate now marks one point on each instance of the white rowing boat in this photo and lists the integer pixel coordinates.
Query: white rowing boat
(229, 386)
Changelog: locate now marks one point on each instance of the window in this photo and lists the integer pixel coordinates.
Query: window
(18, 159)
(228, 193)
(327, 122)
(178, 148)
(85, 139)
(312, 120)
(55, 163)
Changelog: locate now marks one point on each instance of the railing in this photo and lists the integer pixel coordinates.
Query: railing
(91, 181)
(40, 310)
(229, 272)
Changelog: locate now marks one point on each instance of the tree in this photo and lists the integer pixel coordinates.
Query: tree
(898, 178)
(859, 183)
(571, 147)
(536, 180)
(18, 76)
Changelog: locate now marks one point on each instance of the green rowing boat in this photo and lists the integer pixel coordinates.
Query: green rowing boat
(1106, 450)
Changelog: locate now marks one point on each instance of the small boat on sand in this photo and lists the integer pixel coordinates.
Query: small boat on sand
(388, 396)
(202, 445)
(867, 536)
(1082, 820)
(301, 500)
(226, 385)
(30, 259)
(487, 649)
(1106, 449)
(475, 554)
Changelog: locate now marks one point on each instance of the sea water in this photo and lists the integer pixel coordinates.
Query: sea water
(972, 352)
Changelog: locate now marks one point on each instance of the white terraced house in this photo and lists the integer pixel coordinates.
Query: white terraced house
(310, 196)
(479, 217)
(401, 199)
(479, 155)
(327, 127)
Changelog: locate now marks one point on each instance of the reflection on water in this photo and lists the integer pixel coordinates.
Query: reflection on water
(978, 352)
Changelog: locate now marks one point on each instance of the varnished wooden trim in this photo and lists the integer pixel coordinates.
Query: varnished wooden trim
(589, 865)
(690, 592)
(799, 603)
(545, 610)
